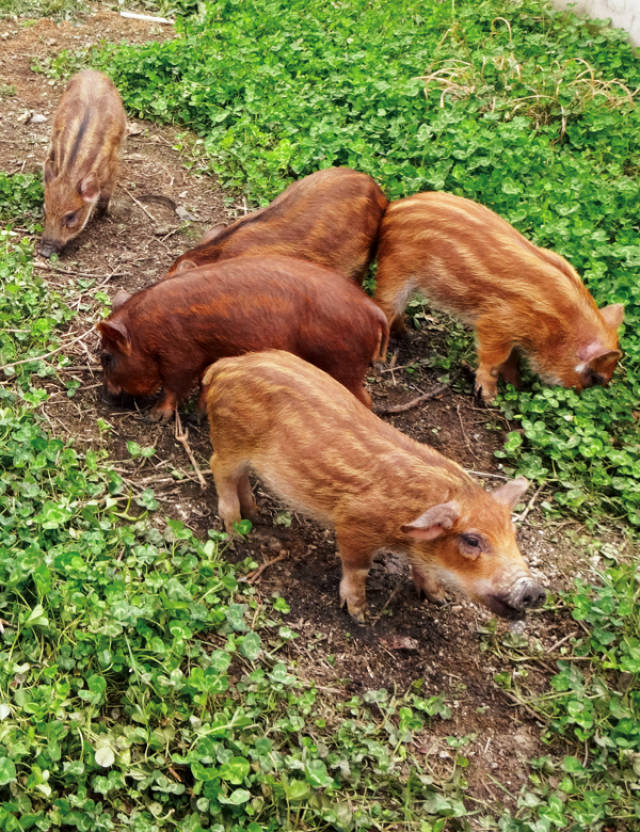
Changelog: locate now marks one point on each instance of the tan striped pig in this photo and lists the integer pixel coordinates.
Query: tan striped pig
(325, 454)
(518, 297)
(79, 173)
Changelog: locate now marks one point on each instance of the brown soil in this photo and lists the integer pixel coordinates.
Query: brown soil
(454, 649)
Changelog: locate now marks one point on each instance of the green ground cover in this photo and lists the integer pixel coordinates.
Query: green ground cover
(140, 685)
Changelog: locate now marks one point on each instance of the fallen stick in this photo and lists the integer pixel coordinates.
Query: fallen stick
(183, 436)
(140, 205)
(253, 577)
(400, 408)
(149, 17)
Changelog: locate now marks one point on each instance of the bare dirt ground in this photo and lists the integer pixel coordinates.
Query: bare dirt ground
(158, 211)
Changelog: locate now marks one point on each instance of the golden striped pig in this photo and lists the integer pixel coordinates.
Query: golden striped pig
(518, 297)
(322, 451)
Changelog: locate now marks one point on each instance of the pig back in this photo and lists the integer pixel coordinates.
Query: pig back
(470, 262)
(320, 448)
(250, 304)
(88, 127)
(330, 217)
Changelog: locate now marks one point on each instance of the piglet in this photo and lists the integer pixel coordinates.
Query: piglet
(326, 455)
(518, 297)
(166, 335)
(79, 173)
(330, 217)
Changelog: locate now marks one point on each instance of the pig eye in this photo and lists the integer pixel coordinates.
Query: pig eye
(71, 219)
(107, 360)
(472, 545)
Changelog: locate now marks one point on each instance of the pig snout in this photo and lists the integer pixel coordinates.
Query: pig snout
(523, 594)
(110, 389)
(49, 247)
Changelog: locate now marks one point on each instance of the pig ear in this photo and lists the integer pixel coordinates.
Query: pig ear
(605, 363)
(434, 522)
(613, 315)
(509, 493)
(88, 188)
(116, 334)
(121, 296)
(184, 266)
(595, 352)
(49, 171)
(212, 233)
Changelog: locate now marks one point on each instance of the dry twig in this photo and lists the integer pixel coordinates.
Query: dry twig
(46, 354)
(253, 577)
(183, 436)
(401, 408)
(140, 205)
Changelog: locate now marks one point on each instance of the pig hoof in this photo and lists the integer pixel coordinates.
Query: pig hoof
(359, 615)
(399, 327)
(438, 600)
(158, 415)
(482, 396)
(357, 611)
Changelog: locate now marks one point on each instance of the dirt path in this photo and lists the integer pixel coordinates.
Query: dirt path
(159, 210)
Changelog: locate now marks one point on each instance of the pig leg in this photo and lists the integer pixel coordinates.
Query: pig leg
(248, 504)
(392, 295)
(202, 401)
(399, 326)
(494, 353)
(352, 378)
(103, 202)
(510, 369)
(429, 586)
(227, 478)
(356, 562)
(361, 394)
(165, 408)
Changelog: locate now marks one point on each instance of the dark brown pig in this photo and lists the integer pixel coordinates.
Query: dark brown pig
(326, 455)
(88, 128)
(165, 336)
(330, 217)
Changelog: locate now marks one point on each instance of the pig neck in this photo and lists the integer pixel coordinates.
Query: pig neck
(394, 479)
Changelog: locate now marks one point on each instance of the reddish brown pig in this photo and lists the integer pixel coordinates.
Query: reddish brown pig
(330, 217)
(165, 336)
(326, 455)
(79, 173)
(518, 297)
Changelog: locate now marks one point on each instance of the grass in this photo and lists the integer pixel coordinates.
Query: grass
(57, 9)
(140, 683)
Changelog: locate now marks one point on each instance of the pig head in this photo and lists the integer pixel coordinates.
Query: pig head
(68, 205)
(469, 544)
